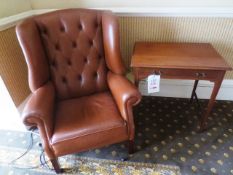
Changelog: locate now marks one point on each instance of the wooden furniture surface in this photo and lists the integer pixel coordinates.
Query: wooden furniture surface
(194, 61)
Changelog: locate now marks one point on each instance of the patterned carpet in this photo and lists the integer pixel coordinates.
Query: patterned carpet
(167, 133)
(73, 164)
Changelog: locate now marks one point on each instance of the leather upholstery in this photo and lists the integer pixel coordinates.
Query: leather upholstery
(39, 111)
(72, 41)
(90, 112)
(126, 95)
(81, 99)
(112, 43)
(29, 38)
(94, 113)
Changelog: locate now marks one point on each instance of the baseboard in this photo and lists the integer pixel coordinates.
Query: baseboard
(183, 89)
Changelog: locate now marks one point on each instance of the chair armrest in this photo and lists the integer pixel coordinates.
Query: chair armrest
(39, 110)
(125, 94)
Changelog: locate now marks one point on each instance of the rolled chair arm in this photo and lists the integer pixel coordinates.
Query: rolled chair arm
(39, 112)
(126, 95)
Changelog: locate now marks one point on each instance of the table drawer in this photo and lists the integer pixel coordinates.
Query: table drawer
(179, 73)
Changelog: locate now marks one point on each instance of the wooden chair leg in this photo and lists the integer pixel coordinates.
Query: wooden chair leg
(56, 166)
(131, 146)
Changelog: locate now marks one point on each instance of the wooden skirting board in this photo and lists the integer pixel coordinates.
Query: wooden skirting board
(180, 89)
(183, 89)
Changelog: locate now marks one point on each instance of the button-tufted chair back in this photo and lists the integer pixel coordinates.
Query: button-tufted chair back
(74, 49)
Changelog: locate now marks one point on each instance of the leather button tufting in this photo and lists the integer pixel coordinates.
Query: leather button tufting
(85, 60)
(44, 31)
(79, 77)
(95, 74)
(57, 47)
(53, 63)
(91, 42)
(80, 27)
(64, 80)
(74, 50)
(74, 44)
(62, 29)
(96, 24)
(83, 95)
(69, 62)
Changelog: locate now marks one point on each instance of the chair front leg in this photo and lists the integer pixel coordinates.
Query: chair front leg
(56, 165)
(131, 146)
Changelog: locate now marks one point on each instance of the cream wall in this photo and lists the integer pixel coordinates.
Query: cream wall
(12, 7)
(133, 27)
(40, 4)
(217, 31)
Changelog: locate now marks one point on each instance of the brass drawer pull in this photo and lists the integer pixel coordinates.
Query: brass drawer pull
(202, 74)
(157, 72)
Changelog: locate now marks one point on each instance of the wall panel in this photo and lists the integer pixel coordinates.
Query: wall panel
(13, 68)
(217, 31)
(13, 7)
(43, 4)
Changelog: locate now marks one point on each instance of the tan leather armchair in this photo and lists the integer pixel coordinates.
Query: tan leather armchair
(80, 96)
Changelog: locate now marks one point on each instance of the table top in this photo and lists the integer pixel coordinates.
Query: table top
(177, 55)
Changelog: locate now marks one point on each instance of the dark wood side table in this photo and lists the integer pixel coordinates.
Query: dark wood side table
(193, 61)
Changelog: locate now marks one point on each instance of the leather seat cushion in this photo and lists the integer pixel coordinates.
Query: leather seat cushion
(88, 120)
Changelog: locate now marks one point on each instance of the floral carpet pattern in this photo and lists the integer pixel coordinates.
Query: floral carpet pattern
(72, 164)
(167, 133)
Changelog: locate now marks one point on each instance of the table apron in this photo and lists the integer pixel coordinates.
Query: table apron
(211, 75)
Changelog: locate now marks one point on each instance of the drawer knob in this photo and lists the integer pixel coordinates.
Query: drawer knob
(157, 72)
(201, 74)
